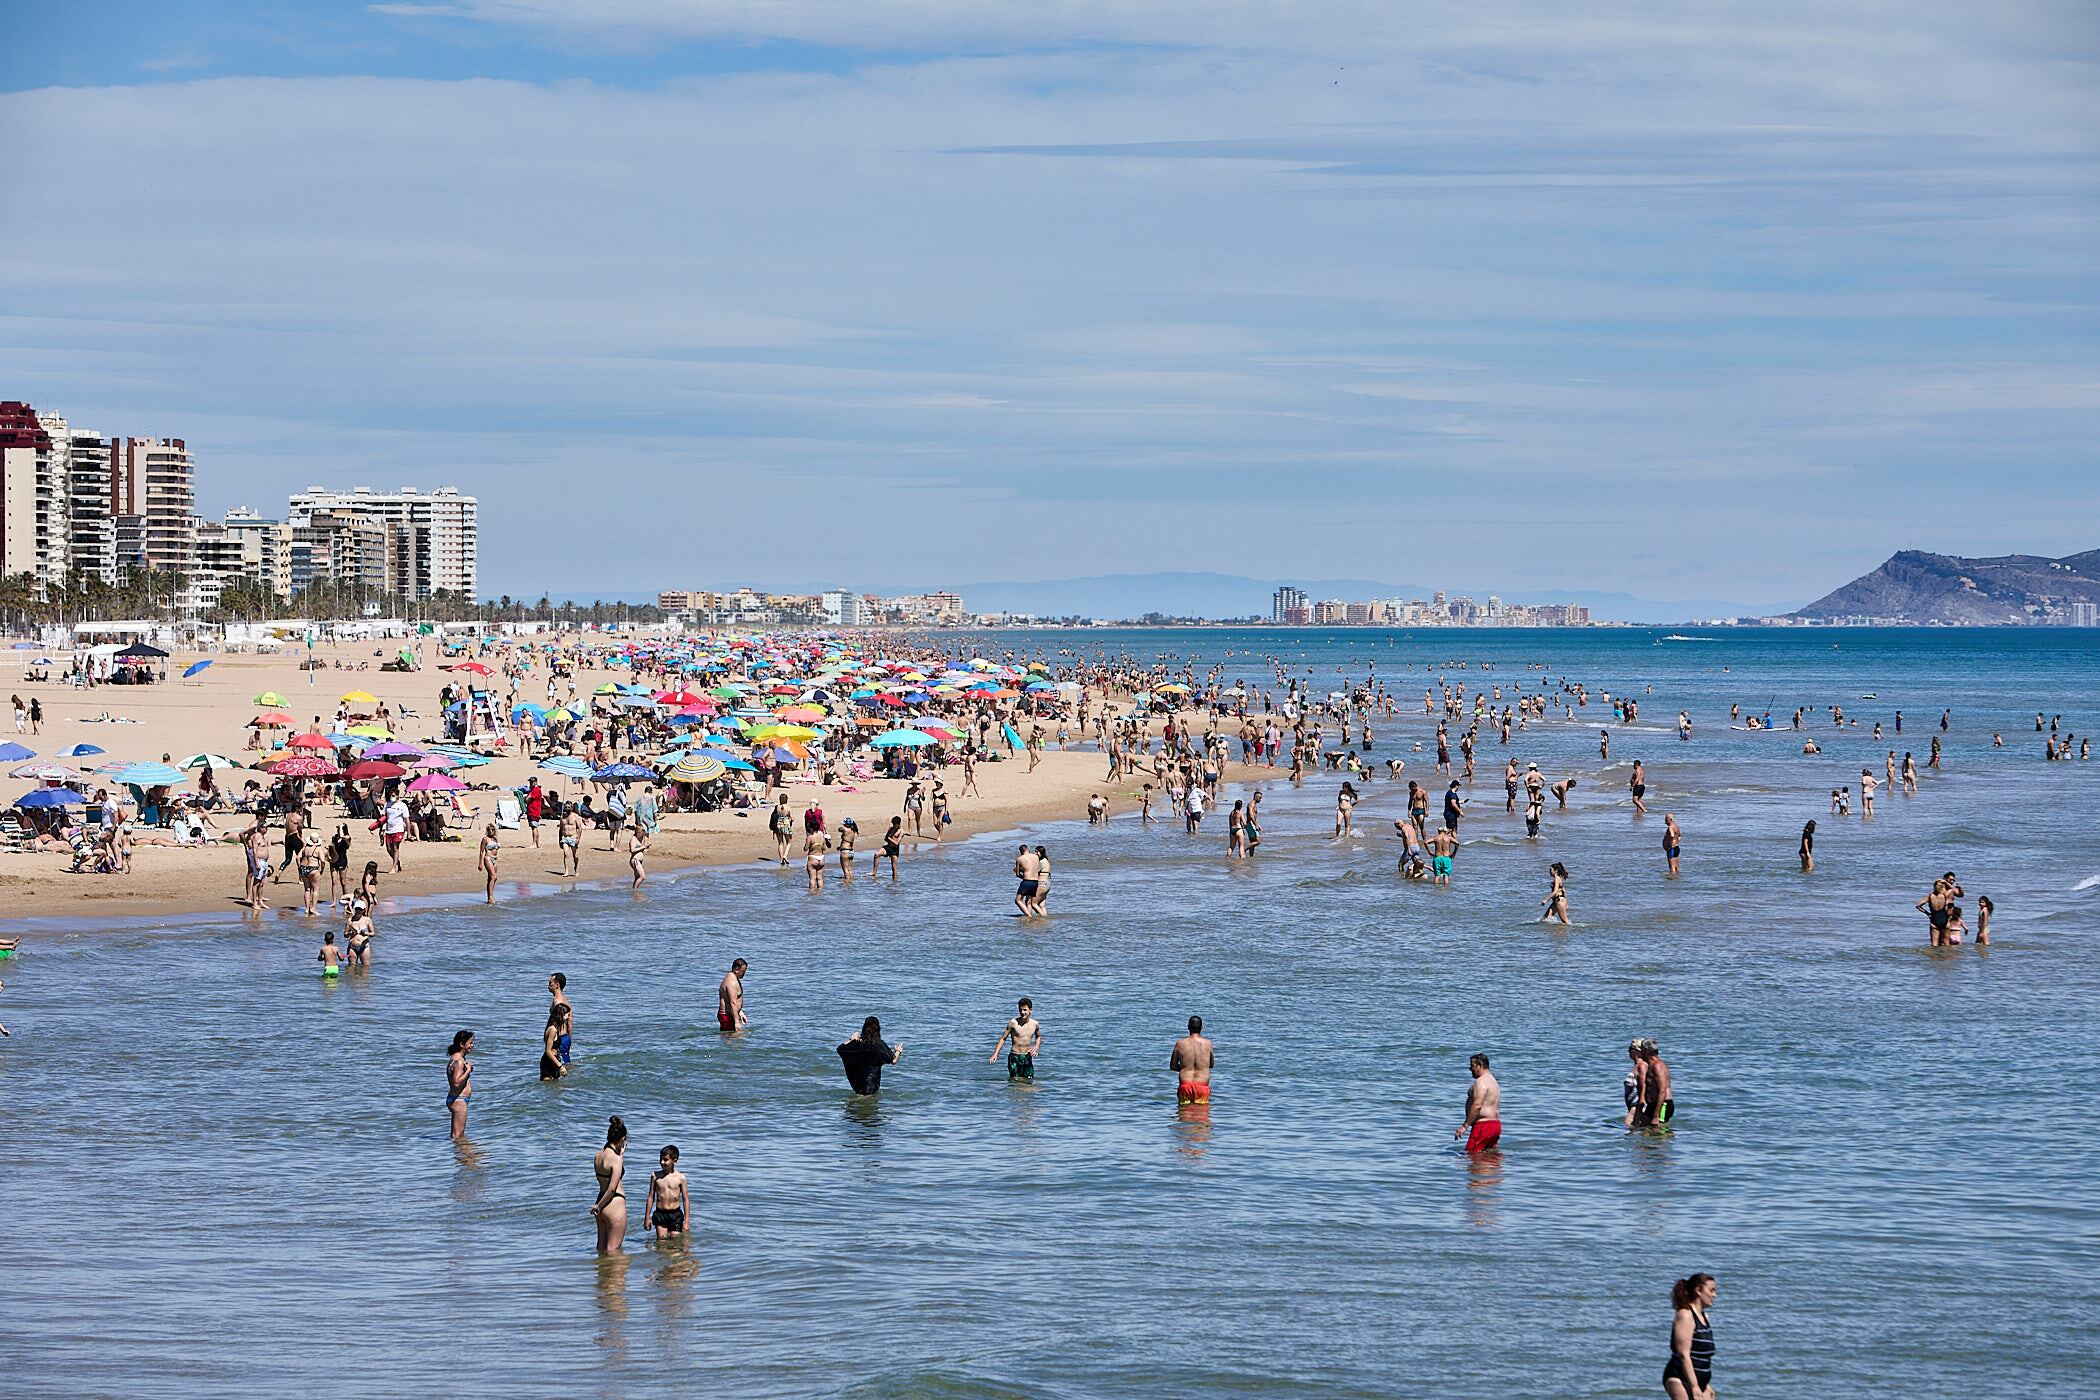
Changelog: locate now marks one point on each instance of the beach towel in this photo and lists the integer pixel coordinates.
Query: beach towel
(508, 815)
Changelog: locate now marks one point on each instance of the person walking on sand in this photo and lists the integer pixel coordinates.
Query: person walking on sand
(729, 1000)
(488, 857)
(569, 836)
(1192, 1061)
(1025, 1034)
(610, 1208)
(459, 1080)
(1482, 1128)
(1673, 839)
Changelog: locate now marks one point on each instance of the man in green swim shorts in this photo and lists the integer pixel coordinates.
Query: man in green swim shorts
(1443, 845)
(1026, 1035)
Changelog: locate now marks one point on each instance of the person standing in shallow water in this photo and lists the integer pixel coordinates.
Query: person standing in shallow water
(459, 1080)
(1192, 1061)
(1689, 1373)
(1556, 900)
(1673, 840)
(610, 1208)
(1482, 1128)
(864, 1056)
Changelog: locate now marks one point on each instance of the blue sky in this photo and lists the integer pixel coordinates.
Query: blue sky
(1710, 300)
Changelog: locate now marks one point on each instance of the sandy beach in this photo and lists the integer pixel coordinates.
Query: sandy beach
(210, 712)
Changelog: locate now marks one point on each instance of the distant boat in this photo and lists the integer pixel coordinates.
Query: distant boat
(1680, 637)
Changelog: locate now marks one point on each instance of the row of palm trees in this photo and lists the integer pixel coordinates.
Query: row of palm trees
(156, 593)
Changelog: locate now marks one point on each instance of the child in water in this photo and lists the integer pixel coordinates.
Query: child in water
(330, 957)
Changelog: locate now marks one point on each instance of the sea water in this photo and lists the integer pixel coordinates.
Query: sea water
(226, 1175)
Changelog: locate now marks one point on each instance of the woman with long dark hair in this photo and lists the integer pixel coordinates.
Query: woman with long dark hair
(610, 1209)
(1690, 1372)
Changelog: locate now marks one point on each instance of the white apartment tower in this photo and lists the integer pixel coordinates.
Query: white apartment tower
(154, 482)
(436, 545)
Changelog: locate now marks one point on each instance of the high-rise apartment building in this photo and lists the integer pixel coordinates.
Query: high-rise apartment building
(1286, 600)
(154, 480)
(841, 607)
(435, 544)
(245, 547)
(33, 522)
(91, 532)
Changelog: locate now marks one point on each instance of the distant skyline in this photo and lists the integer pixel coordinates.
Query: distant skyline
(1722, 302)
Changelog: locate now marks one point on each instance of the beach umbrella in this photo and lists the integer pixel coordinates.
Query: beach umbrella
(148, 774)
(305, 765)
(475, 666)
(621, 773)
(739, 765)
(310, 741)
(367, 769)
(435, 762)
(193, 668)
(11, 752)
(359, 697)
(371, 731)
(607, 689)
(46, 772)
(270, 719)
(80, 750)
(566, 766)
(270, 698)
(393, 748)
(679, 698)
(904, 738)
(560, 714)
(463, 759)
(437, 782)
(50, 797)
(786, 731)
(697, 768)
(209, 760)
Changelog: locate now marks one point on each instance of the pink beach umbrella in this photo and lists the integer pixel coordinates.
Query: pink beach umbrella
(437, 782)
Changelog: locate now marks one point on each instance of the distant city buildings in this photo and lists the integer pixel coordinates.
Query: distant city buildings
(1289, 607)
(837, 607)
(78, 509)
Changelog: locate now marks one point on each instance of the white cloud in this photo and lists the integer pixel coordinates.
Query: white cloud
(1432, 252)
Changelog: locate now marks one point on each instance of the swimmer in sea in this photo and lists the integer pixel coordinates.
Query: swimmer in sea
(1482, 1128)
(1657, 1105)
(729, 1000)
(1984, 909)
(1808, 848)
(459, 1080)
(1673, 839)
(1561, 790)
(553, 1063)
(610, 1208)
(330, 958)
(1025, 1034)
(1639, 785)
(1443, 848)
(668, 1200)
(1556, 900)
(1689, 1373)
(1024, 874)
(1192, 1061)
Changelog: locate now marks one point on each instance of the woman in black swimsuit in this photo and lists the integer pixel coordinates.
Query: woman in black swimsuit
(1690, 1372)
(610, 1209)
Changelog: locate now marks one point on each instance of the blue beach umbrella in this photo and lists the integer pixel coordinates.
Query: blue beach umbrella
(904, 738)
(567, 767)
(80, 750)
(621, 773)
(50, 797)
(738, 764)
(14, 753)
(194, 668)
(144, 775)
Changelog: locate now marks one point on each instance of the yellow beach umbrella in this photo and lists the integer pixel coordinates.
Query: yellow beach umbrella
(271, 699)
(360, 697)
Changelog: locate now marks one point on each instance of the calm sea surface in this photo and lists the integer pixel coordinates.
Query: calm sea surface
(227, 1177)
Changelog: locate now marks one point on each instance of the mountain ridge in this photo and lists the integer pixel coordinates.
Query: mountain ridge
(1918, 586)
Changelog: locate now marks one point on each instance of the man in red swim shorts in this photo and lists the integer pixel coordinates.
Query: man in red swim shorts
(1483, 1126)
(1191, 1062)
(729, 999)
